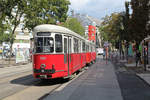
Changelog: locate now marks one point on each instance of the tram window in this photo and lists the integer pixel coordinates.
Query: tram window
(44, 45)
(65, 45)
(39, 45)
(48, 45)
(70, 46)
(40, 41)
(83, 46)
(79, 46)
(87, 48)
(58, 43)
(76, 46)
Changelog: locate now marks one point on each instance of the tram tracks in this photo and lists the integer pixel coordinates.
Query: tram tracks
(15, 83)
(24, 86)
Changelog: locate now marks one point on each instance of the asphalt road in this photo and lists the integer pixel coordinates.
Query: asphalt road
(99, 82)
(17, 83)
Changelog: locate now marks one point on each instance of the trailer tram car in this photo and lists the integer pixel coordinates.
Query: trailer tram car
(59, 52)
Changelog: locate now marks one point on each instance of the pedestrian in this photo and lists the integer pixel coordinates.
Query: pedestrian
(138, 57)
(104, 53)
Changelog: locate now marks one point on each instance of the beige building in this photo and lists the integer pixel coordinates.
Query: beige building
(22, 38)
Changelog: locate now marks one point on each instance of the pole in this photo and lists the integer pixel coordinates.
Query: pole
(144, 57)
(120, 48)
(106, 54)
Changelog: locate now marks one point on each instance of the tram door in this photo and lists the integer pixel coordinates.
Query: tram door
(67, 53)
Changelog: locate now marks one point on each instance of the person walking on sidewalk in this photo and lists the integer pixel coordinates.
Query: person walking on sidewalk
(138, 57)
(104, 53)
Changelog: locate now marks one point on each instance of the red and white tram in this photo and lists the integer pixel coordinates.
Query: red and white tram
(59, 52)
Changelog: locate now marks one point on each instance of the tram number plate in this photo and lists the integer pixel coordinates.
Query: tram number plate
(43, 76)
(42, 70)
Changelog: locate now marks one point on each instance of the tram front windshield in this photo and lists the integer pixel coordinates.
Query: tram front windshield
(44, 45)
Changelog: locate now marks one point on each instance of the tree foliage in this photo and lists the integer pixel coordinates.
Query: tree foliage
(74, 25)
(112, 28)
(45, 12)
(126, 21)
(31, 13)
(139, 19)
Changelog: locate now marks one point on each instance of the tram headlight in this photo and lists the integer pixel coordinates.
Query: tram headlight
(43, 65)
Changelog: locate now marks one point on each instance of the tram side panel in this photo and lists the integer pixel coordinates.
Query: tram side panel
(93, 56)
(88, 57)
(51, 65)
(83, 60)
(76, 64)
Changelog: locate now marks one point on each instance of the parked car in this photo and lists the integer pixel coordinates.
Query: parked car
(100, 51)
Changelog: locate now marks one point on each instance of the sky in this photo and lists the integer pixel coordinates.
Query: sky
(97, 8)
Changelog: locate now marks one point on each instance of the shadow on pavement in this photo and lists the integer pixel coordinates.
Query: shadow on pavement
(29, 80)
(51, 82)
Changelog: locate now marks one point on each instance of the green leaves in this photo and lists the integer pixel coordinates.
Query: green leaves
(31, 13)
(45, 12)
(139, 19)
(112, 28)
(74, 25)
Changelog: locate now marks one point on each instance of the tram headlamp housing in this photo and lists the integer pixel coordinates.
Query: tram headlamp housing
(43, 65)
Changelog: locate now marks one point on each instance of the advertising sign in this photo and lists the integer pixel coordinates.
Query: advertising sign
(22, 55)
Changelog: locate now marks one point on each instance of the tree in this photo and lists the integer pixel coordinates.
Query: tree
(6, 7)
(45, 12)
(139, 19)
(32, 13)
(74, 25)
(112, 28)
(126, 21)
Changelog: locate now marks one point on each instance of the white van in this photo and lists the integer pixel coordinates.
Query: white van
(100, 51)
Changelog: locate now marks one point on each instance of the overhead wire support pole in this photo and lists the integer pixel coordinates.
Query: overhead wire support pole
(144, 57)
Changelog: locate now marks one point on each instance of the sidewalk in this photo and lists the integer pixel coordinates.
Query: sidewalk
(99, 82)
(143, 75)
(11, 62)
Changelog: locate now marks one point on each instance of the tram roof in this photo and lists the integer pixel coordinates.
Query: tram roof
(55, 28)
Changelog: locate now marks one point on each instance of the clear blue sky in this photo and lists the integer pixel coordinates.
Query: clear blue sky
(97, 8)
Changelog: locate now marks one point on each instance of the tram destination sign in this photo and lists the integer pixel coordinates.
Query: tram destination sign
(43, 34)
